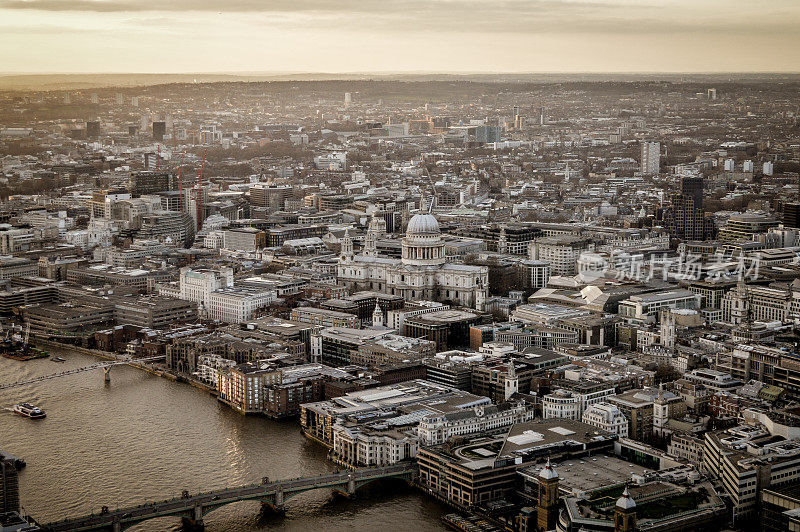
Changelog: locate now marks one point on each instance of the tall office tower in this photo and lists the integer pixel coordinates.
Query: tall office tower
(159, 130)
(517, 118)
(120, 98)
(145, 182)
(712, 94)
(651, 157)
(348, 99)
(542, 118)
(9, 485)
(685, 218)
(791, 215)
(730, 165)
(135, 101)
(145, 122)
(150, 160)
(67, 99)
(93, 98)
(768, 168)
(693, 187)
(93, 129)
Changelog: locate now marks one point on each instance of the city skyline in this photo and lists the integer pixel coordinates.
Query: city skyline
(46, 36)
(413, 265)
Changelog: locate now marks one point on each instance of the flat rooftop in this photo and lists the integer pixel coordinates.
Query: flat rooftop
(591, 472)
(548, 433)
(444, 316)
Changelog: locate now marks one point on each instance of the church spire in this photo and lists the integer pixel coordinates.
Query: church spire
(377, 316)
(512, 381)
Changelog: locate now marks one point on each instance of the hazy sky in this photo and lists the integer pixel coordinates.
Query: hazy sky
(399, 35)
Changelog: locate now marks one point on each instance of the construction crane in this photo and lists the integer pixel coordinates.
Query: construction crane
(199, 198)
(180, 183)
(427, 172)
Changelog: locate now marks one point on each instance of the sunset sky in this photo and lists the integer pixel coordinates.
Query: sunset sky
(173, 36)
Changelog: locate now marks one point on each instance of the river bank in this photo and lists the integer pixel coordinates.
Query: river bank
(138, 439)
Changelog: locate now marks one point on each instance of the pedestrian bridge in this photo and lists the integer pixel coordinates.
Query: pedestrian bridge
(194, 507)
(105, 366)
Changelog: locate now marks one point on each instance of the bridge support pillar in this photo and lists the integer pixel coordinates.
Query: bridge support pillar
(351, 486)
(280, 503)
(190, 525)
(107, 373)
(194, 523)
(116, 526)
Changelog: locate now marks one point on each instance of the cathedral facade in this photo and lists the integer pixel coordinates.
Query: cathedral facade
(422, 273)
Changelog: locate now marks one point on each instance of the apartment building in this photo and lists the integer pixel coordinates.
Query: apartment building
(242, 387)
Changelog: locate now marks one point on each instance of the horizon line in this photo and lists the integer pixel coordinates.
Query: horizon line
(396, 72)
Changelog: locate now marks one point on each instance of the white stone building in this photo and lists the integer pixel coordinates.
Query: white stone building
(364, 446)
(570, 404)
(438, 428)
(235, 305)
(561, 404)
(422, 273)
(607, 417)
(561, 252)
(216, 296)
(197, 285)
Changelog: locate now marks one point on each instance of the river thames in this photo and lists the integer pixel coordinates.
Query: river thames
(143, 438)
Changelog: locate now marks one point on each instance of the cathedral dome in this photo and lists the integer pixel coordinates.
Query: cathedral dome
(423, 224)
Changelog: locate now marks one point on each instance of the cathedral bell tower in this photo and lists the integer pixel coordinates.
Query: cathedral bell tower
(371, 242)
(347, 246)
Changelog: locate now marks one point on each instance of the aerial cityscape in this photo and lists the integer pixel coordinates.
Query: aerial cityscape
(371, 286)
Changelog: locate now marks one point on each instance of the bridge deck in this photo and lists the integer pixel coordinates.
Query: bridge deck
(216, 498)
(78, 370)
